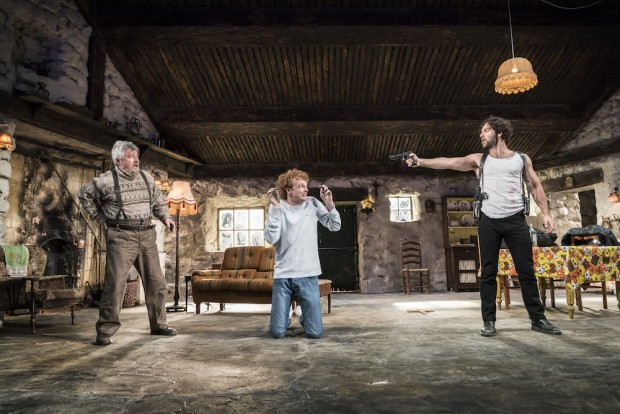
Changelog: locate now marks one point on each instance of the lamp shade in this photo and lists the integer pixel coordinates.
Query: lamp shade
(6, 142)
(180, 199)
(515, 75)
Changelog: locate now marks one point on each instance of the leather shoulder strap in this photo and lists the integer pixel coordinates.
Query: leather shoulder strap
(481, 168)
(525, 188)
(119, 199)
(148, 188)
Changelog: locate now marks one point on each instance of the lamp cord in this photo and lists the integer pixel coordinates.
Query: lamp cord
(572, 8)
(512, 44)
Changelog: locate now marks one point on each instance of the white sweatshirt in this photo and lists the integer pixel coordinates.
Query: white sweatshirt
(292, 229)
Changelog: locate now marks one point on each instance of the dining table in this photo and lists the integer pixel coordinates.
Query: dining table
(577, 266)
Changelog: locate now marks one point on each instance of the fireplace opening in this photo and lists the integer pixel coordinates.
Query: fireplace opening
(60, 257)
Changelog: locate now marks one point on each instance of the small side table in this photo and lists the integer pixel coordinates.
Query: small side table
(188, 278)
(14, 288)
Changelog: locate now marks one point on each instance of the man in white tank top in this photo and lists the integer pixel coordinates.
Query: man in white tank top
(502, 218)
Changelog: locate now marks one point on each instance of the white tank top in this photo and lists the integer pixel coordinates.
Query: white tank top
(502, 183)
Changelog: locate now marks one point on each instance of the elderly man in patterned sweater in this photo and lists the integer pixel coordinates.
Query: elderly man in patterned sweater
(123, 200)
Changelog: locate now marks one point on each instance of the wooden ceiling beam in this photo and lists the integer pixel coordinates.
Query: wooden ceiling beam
(314, 170)
(366, 113)
(139, 15)
(53, 125)
(361, 128)
(129, 37)
(599, 149)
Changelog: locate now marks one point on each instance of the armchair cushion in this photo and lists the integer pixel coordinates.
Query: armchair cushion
(201, 283)
(238, 274)
(242, 258)
(211, 274)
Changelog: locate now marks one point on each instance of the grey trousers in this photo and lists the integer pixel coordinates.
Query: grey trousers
(124, 249)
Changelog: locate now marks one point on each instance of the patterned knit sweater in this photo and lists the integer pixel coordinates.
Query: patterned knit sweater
(99, 198)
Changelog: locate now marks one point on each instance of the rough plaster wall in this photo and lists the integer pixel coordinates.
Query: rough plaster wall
(604, 125)
(378, 238)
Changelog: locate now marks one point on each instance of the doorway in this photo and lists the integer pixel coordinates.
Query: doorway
(338, 251)
(587, 207)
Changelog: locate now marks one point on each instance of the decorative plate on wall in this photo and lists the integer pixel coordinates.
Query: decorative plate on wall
(453, 205)
(464, 205)
(467, 220)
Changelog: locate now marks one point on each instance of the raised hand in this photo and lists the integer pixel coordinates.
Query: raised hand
(326, 196)
(274, 197)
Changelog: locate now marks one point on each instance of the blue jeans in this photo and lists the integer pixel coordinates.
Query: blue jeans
(515, 232)
(306, 289)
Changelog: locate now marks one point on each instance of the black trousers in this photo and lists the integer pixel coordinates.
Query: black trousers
(515, 232)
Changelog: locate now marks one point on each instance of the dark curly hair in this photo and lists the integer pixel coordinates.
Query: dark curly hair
(285, 180)
(499, 125)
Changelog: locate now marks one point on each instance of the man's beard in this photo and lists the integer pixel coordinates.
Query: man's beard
(131, 172)
(490, 144)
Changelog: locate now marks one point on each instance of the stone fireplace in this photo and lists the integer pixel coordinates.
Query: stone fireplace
(60, 257)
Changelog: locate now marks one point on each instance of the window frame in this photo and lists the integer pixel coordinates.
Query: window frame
(236, 230)
(414, 208)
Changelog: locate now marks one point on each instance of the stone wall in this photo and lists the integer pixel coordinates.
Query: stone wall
(378, 238)
(49, 192)
(121, 106)
(604, 125)
(44, 52)
(44, 49)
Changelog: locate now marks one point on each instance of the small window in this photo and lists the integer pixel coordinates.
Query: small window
(241, 227)
(404, 209)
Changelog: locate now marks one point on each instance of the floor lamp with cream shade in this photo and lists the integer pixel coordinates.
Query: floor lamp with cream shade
(180, 202)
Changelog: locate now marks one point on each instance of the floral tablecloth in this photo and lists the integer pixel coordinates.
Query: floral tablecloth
(576, 264)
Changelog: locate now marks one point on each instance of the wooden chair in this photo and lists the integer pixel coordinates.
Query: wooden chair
(414, 275)
(505, 283)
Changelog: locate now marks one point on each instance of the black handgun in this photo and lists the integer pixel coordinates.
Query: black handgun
(402, 156)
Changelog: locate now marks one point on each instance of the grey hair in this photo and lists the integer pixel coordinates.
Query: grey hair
(118, 150)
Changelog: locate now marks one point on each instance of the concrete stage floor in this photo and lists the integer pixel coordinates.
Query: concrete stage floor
(380, 354)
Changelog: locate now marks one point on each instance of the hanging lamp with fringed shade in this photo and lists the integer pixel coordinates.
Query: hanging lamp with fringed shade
(180, 199)
(515, 75)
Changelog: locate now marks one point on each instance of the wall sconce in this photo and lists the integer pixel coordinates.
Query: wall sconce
(6, 140)
(134, 126)
(368, 204)
(614, 197)
(429, 206)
